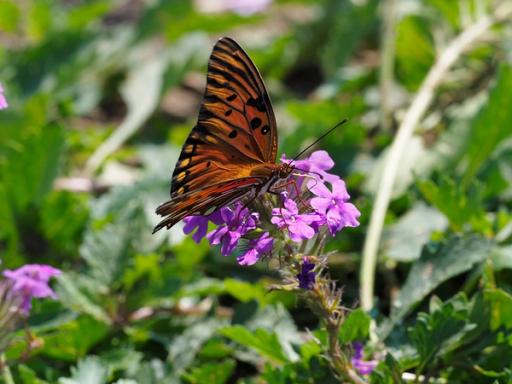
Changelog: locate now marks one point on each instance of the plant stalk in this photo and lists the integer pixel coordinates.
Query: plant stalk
(412, 117)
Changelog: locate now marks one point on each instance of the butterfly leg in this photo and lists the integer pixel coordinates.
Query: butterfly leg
(284, 186)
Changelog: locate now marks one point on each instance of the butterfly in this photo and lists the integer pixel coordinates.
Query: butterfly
(230, 154)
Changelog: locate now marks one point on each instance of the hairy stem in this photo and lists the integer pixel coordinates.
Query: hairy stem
(324, 301)
(412, 117)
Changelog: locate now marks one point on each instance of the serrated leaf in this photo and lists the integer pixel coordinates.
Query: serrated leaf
(214, 373)
(184, 347)
(438, 262)
(276, 319)
(262, 341)
(90, 370)
(82, 294)
(434, 332)
(355, 327)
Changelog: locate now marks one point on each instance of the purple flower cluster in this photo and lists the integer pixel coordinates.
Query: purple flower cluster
(3, 100)
(364, 367)
(233, 223)
(30, 281)
(314, 199)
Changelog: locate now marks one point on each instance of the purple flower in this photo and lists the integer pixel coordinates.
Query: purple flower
(256, 249)
(298, 225)
(3, 100)
(306, 277)
(333, 206)
(238, 221)
(201, 224)
(242, 7)
(31, 280)
(362, 366)
(316, 165)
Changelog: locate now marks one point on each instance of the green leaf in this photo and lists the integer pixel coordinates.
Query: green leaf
(491, 125)
(404, 239)
(184, 347)
(415, 51)
(355, 327)
(502, 258)
(82, 294)
(63, 218)
(90, 370)
(438, 262)
(32, 166)
(264, 342)
(434, 332)
(74, 339)
(9, 16)
(460, 206)
(388, 371)
(214, 373)
(501, 307)
(28, 376)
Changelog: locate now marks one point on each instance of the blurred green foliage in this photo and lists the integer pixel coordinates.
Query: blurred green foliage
(138, 308)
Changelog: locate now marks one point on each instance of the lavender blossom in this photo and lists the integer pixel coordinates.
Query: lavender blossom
(238, 221)
(256, 248)
(30, 281)
(333, 206)
(364, 367)
(298, 225)
(241, 7)
(3, 100)
(200, 224)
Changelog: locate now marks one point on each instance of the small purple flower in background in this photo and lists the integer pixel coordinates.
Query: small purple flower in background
(256, 248)
(242, 7)
(333, 206)
(30, 281)
(298, 225)
(3, 100)
(306, 277)
(238, 221)
(364, 367)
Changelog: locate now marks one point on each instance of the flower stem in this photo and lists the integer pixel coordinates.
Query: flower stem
(6, 372)
(324, 301)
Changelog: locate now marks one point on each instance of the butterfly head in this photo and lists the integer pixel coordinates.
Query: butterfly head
(282, 171)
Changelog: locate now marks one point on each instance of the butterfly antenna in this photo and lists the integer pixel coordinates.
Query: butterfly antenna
(319, 139)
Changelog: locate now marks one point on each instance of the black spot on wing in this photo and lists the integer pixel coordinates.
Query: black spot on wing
(258, 103)
(255, 123)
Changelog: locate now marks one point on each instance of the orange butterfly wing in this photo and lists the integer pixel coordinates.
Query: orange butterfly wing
(235, 133)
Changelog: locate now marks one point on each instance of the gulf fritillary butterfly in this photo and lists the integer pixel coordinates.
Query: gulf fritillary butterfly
(231, 152)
